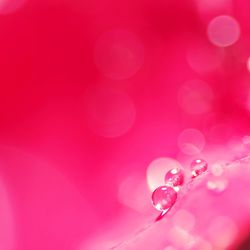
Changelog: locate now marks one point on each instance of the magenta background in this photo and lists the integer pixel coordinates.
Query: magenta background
(61, 179)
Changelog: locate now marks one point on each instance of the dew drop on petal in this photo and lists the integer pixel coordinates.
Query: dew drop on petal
(198, 167)
(164, 198)
(174, 177)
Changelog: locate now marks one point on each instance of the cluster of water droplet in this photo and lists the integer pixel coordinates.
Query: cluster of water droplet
(164, 197)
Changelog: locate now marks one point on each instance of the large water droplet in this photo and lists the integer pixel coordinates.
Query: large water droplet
(164, 198)
(174, 177)
(198, 167)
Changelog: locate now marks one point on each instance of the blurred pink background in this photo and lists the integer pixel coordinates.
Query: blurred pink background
(99, 98)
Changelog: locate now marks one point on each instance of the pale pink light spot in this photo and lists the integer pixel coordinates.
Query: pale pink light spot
(229, 229)
(132, 193)
(119, 54)
(191, 141)
(47, 200)
(248, 64)
(157, 170)
(169, 248)
(217, 168)
(180, 238)
(247, 104)
(213, 5)
(110, 113)
(202, 244)
(7, 236)
(223, 31)
(195, 97)
(204, 58)
(9, 6)
(220, 132)
(97, 244)
(246, 139)
(217, 185)
(184, 220)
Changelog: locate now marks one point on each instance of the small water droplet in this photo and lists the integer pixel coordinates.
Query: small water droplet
(198, 167)
(174, 177)
(164, 198)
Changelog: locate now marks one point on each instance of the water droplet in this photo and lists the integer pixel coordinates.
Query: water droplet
(198, 167)
(163, 198)
(174, 177)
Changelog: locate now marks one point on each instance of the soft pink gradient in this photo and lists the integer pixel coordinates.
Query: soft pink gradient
(99, 99)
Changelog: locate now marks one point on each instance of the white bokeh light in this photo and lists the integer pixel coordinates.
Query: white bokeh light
(191, 141)
(217, 168)
(204, 58)
(195, 97)
(157, 170)
(118, 54)
(223, 31)
(217, 185)
(109, 112)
